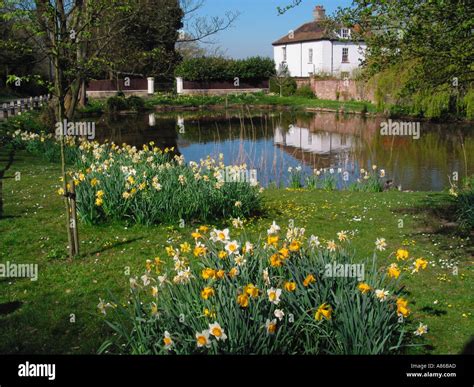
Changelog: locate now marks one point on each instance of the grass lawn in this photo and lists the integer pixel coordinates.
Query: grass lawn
(58, 314)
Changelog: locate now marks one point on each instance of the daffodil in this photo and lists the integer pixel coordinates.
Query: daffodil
(232, 247)
(208, 274)
(380, 244)
(342, 236)
(199, 250)
(196, 235)
(420, 263)
(272, 240)
(309, 280)
(220, 235)
(251, 290)
(185, 247)
(290, 286)
(233, 272)
(364, 288)
(216, 330)
(331, 246)
(275, 260)
(324, 311)
(295, 246)
(402, 254)
(381, 294)
(202, 339)
(207, 292)
(402, 307)
(60, 192)
(393, 271)
(421, 330)
(274, 295)
(279, 314)
(154, 291)
(167, 340)
(243, 300)
(271, 326)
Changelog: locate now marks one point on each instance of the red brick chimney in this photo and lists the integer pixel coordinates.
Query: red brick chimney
(319, 13)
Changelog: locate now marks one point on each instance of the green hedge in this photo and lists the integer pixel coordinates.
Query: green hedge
(218, 68)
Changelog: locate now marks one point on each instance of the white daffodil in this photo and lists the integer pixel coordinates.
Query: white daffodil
(202, 339)
(217, 331)
(381, 294)
(380, 244)
(279, 314)
(274, 295)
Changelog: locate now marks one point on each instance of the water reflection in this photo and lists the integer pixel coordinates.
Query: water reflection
(271, 142)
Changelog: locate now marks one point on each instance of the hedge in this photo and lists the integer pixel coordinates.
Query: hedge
(218, 68)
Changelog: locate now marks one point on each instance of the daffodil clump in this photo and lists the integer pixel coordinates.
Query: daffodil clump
(223, 295)
(149, 185)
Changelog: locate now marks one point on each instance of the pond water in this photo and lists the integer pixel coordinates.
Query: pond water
(271, 142)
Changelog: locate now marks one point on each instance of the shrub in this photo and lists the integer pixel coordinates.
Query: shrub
(287, 86)
(278, 297)
(135, 103)
(463, 200)
(468, 101)
(305, 91)
(115, 104)
(219, 68)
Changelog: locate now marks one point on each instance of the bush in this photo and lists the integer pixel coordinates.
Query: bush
(115, 104)
(135, 103)
(234, 297)
(287, 86)
(219, 68)
(463, 200)
(305, 91)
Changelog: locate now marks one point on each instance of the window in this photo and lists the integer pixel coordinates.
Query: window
(345, 55)
(345, 33)
(284, 54)
(310, 55)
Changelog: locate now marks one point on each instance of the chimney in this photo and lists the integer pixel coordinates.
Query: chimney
(319, 13)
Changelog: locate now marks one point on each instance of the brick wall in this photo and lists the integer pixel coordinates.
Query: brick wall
(346, 90)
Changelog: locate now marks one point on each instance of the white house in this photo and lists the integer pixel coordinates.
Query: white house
(312, 49)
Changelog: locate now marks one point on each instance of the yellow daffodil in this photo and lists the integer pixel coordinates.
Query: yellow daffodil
(154, 291)
(61, 192)
(220, 274)
(185, 247)
(364, 288)
(207, 292)
(331, 246)
(99, 202)
(420, 263)
(324, 311)
(196, 235)
(203, 229)
(402, 307)
(402, 254)
(251, 290)
(272, 240)
(284, 252)
(208, 274)
(233, 272)
(342, 236)
(393, 271)
(94, 182)
(170, 251)
(309, 280)
(290, 286)
(209, 313)
(199, 250)
(243, 300)
(275, 260)
(295, 246)
(222, 255)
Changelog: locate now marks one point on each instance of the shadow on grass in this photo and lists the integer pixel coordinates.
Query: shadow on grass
(114, 246)
(432, 311)
(9, 307)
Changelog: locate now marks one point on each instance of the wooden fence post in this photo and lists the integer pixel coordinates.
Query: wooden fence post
(73, 226)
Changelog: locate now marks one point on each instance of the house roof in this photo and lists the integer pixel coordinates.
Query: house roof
(308, 32)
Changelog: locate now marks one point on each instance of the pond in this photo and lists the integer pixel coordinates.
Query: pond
(271, 142)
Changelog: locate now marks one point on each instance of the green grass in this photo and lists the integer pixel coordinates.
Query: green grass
(33, 231)
(260, 99)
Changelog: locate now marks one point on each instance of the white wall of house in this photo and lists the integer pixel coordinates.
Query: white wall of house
(327, 57)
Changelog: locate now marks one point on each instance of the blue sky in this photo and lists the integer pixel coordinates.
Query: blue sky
(259, 24)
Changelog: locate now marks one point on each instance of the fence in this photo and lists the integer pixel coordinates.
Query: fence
(221, 87)
(12, 108)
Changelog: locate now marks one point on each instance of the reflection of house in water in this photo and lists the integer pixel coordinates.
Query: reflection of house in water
(327, 140)
(319, 142)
